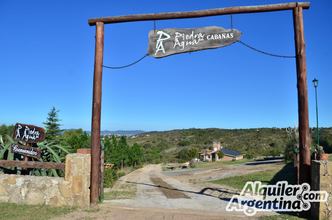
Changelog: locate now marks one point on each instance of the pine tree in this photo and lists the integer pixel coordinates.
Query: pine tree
(52, 125)
(123, 149)
(135, 155)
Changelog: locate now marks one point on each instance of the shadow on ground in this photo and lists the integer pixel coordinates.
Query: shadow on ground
(222, 192)
(287, 173)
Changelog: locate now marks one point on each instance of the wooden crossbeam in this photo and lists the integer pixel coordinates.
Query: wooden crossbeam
(200, 13)
(32, 164)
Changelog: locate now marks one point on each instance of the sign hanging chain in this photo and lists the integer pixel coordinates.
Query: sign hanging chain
(128, 65)
(231, 25)
(258, 50)
(264, 52)
(135, 62)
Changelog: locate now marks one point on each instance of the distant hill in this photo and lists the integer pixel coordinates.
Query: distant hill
(254, 141)
(122, 132)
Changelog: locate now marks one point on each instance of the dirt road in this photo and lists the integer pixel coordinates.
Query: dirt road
(182, 194)
(154, 189)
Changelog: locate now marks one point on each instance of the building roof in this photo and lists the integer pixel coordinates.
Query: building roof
(229, 152)
(205, 152)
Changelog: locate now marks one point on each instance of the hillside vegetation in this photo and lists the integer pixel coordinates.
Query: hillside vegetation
(165, 146)
(183, 144)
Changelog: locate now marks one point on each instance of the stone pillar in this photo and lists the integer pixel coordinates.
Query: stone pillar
(321, 179)
(77, 173)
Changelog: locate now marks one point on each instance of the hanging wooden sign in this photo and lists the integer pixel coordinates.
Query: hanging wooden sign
(28, 133)
(26, 151)
(170, 41)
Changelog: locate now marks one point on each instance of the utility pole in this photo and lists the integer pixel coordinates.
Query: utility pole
(315, 82)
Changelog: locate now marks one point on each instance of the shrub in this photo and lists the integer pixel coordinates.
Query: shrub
(249, 156)
(220, 154)
(120, 174)
(186, 154)
(110, 176)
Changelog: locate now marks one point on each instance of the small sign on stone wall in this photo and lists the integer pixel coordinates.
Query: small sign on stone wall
(170, 41)
(27, 137)
(25, 150)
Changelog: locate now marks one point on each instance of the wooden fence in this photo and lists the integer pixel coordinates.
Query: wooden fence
(32, 164)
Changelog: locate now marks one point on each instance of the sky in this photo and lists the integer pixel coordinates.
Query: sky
(47, 59)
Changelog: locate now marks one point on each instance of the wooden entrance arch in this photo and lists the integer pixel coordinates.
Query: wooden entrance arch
(303, 168)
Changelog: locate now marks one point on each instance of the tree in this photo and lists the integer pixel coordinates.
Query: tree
(52, 125)
(111, 151)
(135, 155)
(193, 152)
(325, 139)
(187, 154)
(75, 139)
(116, 151)
(123, 150)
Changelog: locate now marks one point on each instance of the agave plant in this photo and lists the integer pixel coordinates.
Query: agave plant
(51, 152)
(5, 152)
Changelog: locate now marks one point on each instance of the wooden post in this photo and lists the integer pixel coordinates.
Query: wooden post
(297, 168)
(96, 112)
(302, 92)
(297, 8)
(101, 179)
(200, 13)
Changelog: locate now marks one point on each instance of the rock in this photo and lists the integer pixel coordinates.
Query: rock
(10, 180)
(65, 189)
(35, 198)
(3, 191)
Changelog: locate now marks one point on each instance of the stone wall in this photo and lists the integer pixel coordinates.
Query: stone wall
(72, 190)
(321, 179)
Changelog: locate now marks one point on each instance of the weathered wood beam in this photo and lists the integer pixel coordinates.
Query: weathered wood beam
(96, 114)
(32, 164)
(302, 94)
(200, 13)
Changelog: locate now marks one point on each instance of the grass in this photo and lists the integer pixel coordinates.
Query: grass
(11, 211)
(268, 177)
(218, 164)
(272, 176)
(124, 191)
(119, 194)
(239, 181)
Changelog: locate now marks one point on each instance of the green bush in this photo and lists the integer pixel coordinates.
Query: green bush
(186, 154)
(183, 143)
(249, 156)
(220, 154)
(110, 176)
